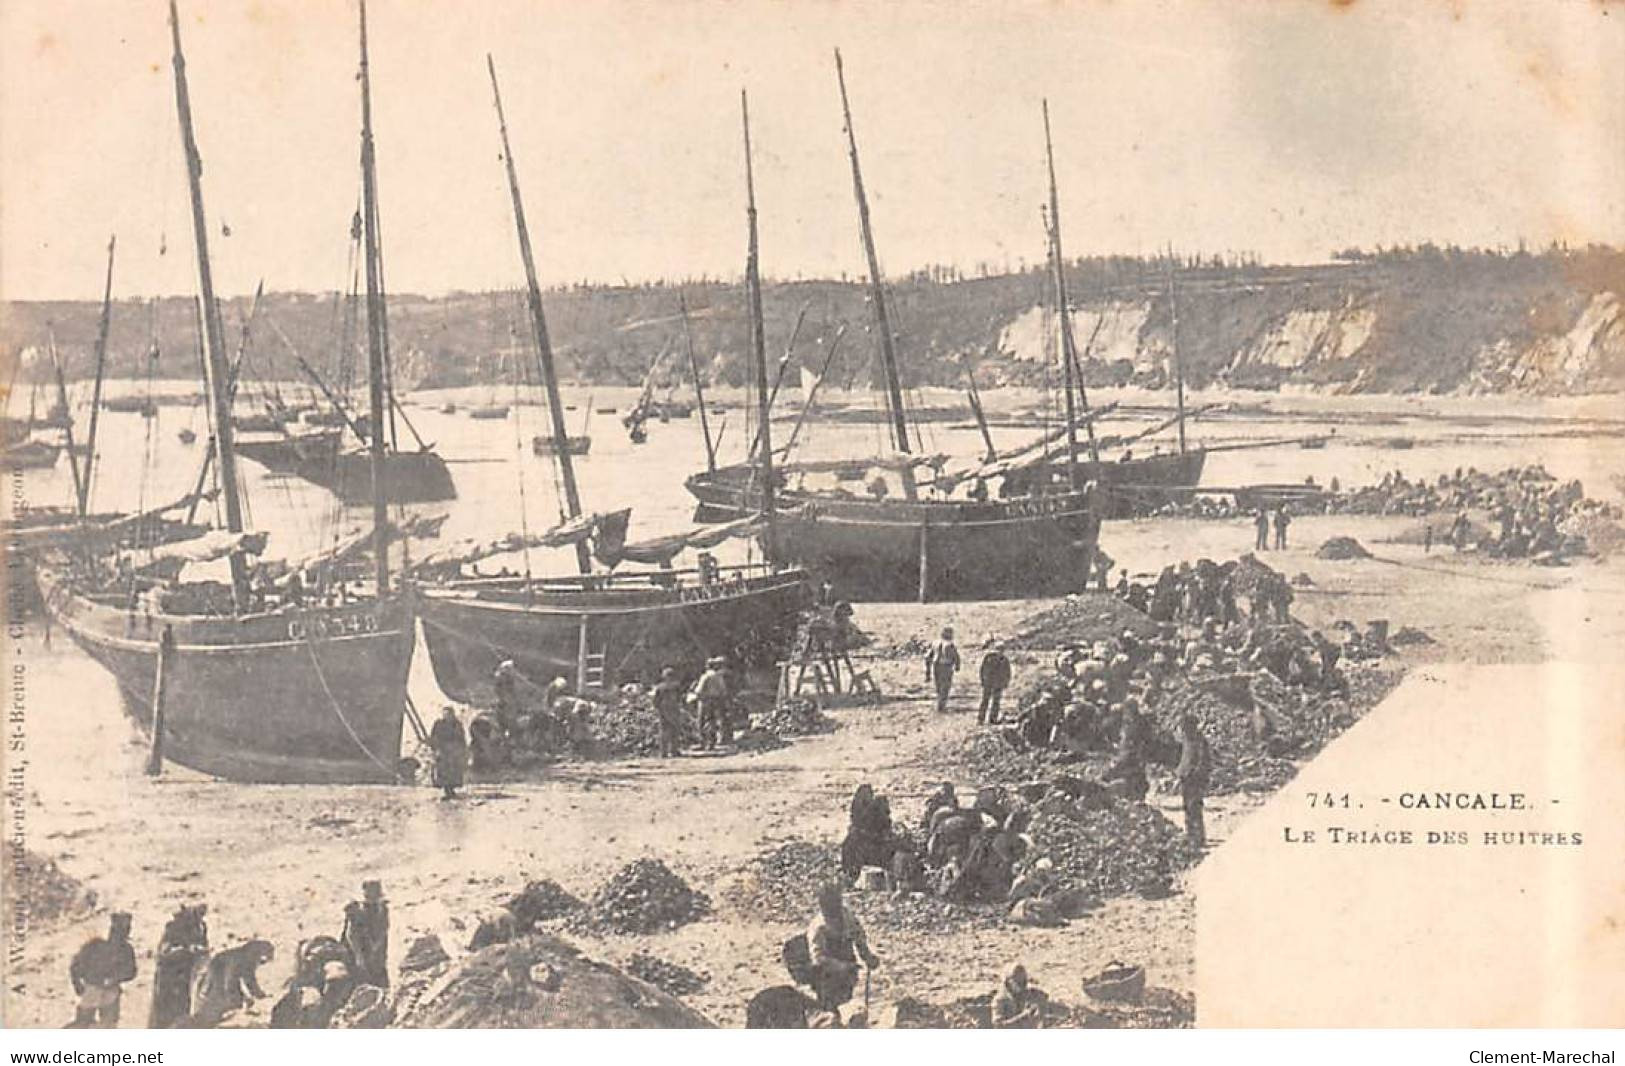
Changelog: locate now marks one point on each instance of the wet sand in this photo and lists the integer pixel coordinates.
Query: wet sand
(279, 862)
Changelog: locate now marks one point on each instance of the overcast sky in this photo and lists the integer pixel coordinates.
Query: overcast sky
(1285, 128)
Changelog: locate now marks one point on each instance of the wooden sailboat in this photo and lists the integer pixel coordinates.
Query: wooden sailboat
(314, 449)
(1133, 483)
(547, 444)
(22, 451)
(593, 628)
(492, 409)
(910, 548)
(223, 683)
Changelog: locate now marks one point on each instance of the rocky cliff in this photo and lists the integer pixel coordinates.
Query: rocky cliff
(1424, 321)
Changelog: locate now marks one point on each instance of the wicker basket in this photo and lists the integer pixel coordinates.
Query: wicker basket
(1117, 983)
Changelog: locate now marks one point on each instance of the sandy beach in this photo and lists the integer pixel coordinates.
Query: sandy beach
(280, 862)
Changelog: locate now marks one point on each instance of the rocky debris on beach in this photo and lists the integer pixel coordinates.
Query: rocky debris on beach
(1252, 575)
(912, 648)
(1155, 1008)
(781, 883)
(796, 716)
(538, 982)
(1602, 532)
(667, 976)
(1528, 512)
(1103, 847)
(921, 912)
(425, 953)
(367, 1008)
(1082, 618)
(540, 901)
(1302, 721)
(757, 740)
(1265, 690)
(1342, 548)
(1241, 760)
(1463, 490)
(989, 757)
(1409, 635)
(644, 897)
(44, 893)
(626, 724)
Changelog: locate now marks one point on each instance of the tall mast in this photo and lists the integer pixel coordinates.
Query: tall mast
(888, 354)
(1069, 350)
(699, 389)
(375, 328)
(538, 321)
(214, 345)
(62, 398)
(1179, 368)
(96, 389)
(758, 342)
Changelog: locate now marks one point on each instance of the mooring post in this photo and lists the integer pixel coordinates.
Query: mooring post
(160, 683)
(581, 657)
(925, 562)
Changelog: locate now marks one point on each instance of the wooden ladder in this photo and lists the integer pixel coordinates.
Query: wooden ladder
(595, 668)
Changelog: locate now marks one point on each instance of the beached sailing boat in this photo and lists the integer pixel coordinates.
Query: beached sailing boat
(222, 683)
(1131, 483)
(599, 628)
(877, 548)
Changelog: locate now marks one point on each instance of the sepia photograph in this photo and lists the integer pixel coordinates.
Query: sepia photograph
(797, 514)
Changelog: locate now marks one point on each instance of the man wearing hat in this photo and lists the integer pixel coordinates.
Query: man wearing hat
(995, 678)
(941, 663)
(504, 682)
(1128, 764)
(98, 972)
(668, 701)
(1195, 768)
(366, 934)
(711, 691)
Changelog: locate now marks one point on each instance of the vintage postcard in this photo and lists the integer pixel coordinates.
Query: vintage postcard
(1019, 515)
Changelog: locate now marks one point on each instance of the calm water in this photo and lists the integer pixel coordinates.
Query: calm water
(502, 487)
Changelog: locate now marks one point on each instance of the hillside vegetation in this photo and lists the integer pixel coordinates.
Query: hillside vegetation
(1413, 320)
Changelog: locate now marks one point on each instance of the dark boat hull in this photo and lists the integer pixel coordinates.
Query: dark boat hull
(471, 627)
(896, 550)
(30, 455)
(1134, 486)
(285, 455)
(573, 445)
(295, 697)
(411, 477)
(931, 551)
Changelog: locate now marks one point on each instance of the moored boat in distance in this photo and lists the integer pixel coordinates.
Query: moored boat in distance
(30, 455)
(545, 445)
(141, 405)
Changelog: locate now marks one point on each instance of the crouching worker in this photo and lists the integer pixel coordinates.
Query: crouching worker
(1016, 1003)
(835, 942)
